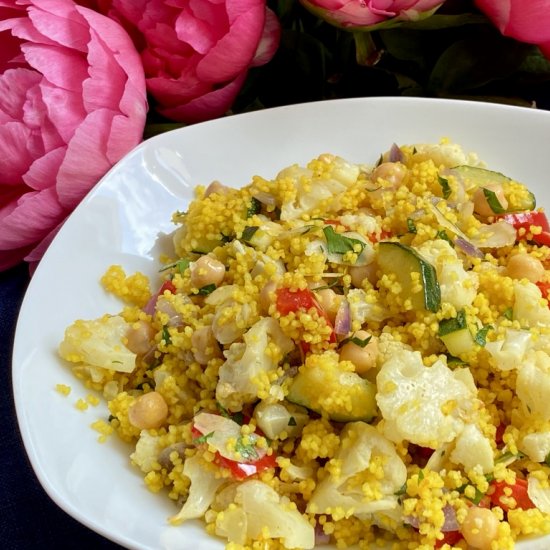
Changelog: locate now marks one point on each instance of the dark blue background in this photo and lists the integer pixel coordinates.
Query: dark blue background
(28, 518)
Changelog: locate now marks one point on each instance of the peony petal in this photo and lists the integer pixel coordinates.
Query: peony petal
(60, 21)
(86, 160)
(124, 136)
(211, 105)
(35, 215)
(43, 171)
(14, 155)
(62, 67)
(14, 84)
(195, 32)
(269, 41)
(234, 52)
(65, 112)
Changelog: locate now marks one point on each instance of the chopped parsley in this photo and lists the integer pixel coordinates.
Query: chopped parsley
(207, 289)
(481, 335)
(340, 244)
(292, 421)
(254, 208)
(508, 313)
(166, 335)
(203, 438)
(355, 340)
(248, 233)
(181, 265)
(445, 187)
(411, 227)
(248, 451)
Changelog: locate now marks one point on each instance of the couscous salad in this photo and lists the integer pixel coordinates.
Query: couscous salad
(345, 354)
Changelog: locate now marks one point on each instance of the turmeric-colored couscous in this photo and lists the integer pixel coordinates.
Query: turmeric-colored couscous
(345, 354)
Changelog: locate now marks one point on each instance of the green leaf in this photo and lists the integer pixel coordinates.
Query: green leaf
(446, 326)
(248, 451)
(355, 340)
(340, 244)
(207, 289)
(442, 234)
(203, 438)
(475, 61)
(181, 265)
(445, 187)
(248, 233)
(508, 313)
(166, 335)
(481, 335)
(254, 208)
(411, 227)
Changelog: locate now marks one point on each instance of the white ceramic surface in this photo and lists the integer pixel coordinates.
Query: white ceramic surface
(123, 220)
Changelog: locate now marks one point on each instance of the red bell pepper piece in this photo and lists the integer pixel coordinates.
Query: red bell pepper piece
(169, 286)
(528, 219)
(518, 492)
(289, 301)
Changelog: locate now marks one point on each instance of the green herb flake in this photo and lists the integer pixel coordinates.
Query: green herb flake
(181, 265)
(166, 335)
(446, 326)
(226, 238)
(340, 244)
(355, 340)
(203, 438)
(411, 227)
(508, 313)
(249, 232)
(481, 335)
(442, 234)
(254, 208)
(547, 459)
(330, 285)
(292, 421)
(420, 475)
(445, 187)
(493, 202)
(238, 417)
(248, 451)
(207, 289)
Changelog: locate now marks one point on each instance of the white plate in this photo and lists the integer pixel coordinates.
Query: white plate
(119, 222)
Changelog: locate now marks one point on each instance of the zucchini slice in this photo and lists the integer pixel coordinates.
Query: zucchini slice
(402, 261)
(344, 396)
(456, 335)
(475, 177)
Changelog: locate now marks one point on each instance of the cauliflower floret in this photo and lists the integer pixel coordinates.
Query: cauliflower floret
(259, 512)
(264, 347)
(529, 307)
(508, 352)
(472, 449)
(99, 343)
(363, 310)
(147, 451)
(204, 484)
(458, 286)
(425, 405)
(533, 383)
(445, 154)
(310, 191)
(364, 475)
(536, 446)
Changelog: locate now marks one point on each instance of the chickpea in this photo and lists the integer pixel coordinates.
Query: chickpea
(392, 172)
(148, 411)
(329, 301)
(523, 265)
(364, 358)
(205, 345)
(139, 337)
(207, 271)
(359, 273)
(481, 206)
(480, 528)
(267, 296)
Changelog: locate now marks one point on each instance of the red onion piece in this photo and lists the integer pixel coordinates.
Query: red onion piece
(395, 154)
(151, 304)
(450, 524)
(342, 322)
(468, 248)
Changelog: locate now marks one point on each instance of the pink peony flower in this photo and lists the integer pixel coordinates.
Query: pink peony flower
(365, 13)
(525, 20)
(196, 53)
(72, 103)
